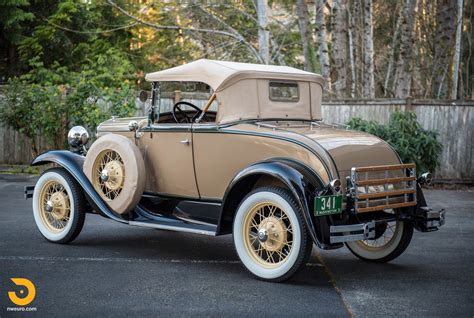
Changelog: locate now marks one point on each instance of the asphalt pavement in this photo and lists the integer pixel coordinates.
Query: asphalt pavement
(118, 270)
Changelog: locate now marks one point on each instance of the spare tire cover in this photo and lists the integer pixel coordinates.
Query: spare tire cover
(115, 167)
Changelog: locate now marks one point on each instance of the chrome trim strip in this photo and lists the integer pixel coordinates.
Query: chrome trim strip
(171, 228)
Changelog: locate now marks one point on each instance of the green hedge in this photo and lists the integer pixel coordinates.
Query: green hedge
(405, 134)
(49, 110)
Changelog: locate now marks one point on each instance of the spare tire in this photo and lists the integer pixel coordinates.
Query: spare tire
(115, 167)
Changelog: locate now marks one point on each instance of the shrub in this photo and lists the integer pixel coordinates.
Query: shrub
(405, 134)
(49, 110)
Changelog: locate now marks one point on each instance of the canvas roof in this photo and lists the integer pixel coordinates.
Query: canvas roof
(220, 74)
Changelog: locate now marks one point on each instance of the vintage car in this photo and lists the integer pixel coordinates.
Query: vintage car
(261, 166)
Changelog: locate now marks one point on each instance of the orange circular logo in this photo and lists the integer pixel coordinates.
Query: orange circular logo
(26, 296)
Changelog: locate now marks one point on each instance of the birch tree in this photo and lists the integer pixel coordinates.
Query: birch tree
(339, 47)
(352, 52)
(263, 33)
(388, 86)
(321, 39)
(306, 36)
(457, 51)
(405, 57)
(368, 85)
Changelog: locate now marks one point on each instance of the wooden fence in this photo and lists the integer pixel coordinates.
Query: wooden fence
(453, 120)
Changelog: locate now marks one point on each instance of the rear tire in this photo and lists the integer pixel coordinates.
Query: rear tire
(388, 251)
(270, 234)
(58, 206)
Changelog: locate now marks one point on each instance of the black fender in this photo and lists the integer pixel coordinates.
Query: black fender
(73, 163)
(300, 180)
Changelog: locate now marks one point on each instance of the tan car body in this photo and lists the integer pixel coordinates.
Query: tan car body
(219, 153)
(200, 160)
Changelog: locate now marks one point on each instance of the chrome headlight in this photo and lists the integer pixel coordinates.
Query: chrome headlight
(425, 178)
(77, 136)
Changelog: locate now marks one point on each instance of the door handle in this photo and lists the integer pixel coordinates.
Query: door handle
(185, 142)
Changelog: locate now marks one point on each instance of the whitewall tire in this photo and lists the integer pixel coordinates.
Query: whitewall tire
(270, 235)
(58, 206)
(116, 169)
(389, 244)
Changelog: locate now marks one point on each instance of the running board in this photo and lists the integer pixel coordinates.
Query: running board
(177, 226)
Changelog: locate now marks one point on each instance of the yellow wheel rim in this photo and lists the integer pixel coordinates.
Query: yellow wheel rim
(55, 206)
(108, 175)
(268, 234)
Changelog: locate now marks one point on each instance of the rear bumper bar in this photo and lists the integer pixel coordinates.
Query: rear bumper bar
(430, 220)
(352, 232)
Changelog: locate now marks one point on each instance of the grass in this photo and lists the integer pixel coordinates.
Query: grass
(20, 169)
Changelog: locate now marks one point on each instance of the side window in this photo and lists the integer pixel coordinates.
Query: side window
(284, 91)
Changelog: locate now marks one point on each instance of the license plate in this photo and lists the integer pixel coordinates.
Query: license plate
(328, 204)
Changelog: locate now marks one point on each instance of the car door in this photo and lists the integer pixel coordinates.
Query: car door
(169, 160)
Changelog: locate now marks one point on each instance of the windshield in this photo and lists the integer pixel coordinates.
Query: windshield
(196, 93)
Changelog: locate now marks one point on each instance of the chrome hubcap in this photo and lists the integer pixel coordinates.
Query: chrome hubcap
(262, 235)
(49, 206)
(104, 175)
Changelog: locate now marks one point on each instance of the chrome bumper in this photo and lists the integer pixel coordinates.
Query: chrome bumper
(29, 191)
(431, 220)
(352, 232)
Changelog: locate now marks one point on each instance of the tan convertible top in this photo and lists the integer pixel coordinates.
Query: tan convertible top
(219, 74)
(242, 89)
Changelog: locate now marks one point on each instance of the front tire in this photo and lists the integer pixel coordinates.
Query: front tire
(58, 206)
(270, 235)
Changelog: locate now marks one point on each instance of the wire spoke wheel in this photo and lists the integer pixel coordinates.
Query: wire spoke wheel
(58, 206)
(55, 206)
(390, 241)
(383, 240)
(268, 234)
(108, 174)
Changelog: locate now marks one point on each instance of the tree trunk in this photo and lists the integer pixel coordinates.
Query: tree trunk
(339, 46)
(405, 59)
(321, 39)
(443, 47)
(457, 51)
(306, 36)
(357, 21)
(388, 89)
(351, 53)
(263, 34)
(368, 85)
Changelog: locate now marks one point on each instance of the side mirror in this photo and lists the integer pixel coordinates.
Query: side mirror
(143, 97)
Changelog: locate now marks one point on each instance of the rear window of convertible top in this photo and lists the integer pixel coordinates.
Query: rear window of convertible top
(284, 91)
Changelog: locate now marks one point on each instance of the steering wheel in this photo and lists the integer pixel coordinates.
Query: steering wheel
(178, 112)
